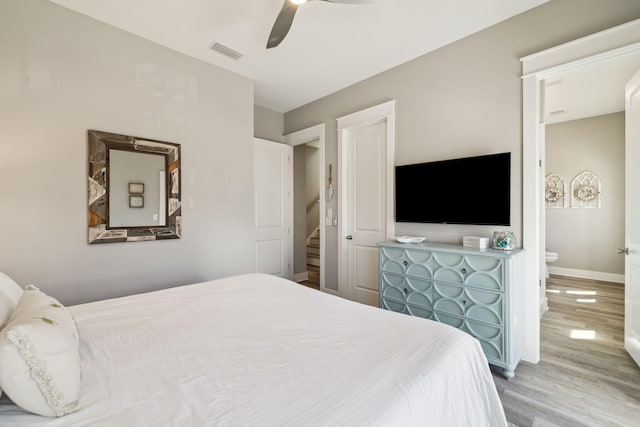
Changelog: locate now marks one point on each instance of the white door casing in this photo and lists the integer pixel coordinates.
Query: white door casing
(273, 206)
(621, 40)
(632, 213)
(365, 168)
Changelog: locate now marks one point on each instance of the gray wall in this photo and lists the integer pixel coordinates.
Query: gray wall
(586, 239)
(464, 99)
(268, 124)
(313, 188)
(62, 73)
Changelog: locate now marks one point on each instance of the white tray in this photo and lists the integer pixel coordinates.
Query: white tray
(409, 239)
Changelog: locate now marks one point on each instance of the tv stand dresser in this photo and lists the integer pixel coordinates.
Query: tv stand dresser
(479, 291)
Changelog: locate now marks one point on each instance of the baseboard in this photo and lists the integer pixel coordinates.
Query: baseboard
(544, 306)
(586, 274)
(301, 277)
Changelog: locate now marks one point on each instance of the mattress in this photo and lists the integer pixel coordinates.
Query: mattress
(260, 350)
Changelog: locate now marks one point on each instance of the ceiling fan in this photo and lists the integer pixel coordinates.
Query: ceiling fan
(288, 12)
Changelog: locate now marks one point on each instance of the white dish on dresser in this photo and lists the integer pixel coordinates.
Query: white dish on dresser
(409, 239)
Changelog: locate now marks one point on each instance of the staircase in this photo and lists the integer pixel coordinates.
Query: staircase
(313, 260)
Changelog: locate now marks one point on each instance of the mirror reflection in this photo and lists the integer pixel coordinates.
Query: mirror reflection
(136, 189)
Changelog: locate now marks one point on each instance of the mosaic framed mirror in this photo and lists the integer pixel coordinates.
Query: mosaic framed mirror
(134, 191)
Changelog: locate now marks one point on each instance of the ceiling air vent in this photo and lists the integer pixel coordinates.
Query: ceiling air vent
(225, 50)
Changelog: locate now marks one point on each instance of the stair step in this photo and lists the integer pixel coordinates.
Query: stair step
(314, 241)
(311, 260)
(311, 250)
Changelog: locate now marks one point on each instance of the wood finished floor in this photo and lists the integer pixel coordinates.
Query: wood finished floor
(578, 382)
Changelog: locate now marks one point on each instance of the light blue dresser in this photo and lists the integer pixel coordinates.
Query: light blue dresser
(479, 291)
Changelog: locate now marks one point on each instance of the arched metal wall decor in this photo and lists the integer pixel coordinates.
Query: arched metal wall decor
(555, 191)
(585, 190)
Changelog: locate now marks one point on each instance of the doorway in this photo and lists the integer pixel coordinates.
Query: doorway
(584, 147)
(537, 68)
(309, 196)
(306, 214)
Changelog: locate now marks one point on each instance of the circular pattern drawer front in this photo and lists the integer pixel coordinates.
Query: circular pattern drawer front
(475, 304)
(392, 305)
(399, 288)
(491, 337)
(478, 271)
(416, 263)
(419, 311)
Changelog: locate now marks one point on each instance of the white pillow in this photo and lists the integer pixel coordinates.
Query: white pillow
(10, 293)
(40, 356)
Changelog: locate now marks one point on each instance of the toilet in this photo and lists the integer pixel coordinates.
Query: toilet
(549, 257)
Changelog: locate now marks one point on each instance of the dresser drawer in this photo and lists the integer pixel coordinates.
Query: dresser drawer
(491, 338)
(393, 305)
(471, 270)
(471, 303)
(417, 263)
(415, 291)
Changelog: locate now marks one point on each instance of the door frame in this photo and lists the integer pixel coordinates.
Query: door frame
(381, 113)
(598, 47)
(304, 136)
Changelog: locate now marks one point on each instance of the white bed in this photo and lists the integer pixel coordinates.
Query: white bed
(259, 350)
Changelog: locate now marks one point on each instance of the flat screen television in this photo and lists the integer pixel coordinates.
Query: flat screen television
(471, 190)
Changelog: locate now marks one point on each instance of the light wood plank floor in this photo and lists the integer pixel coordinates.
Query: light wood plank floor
(588, 380)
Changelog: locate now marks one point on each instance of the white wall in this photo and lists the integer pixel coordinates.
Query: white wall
(586, 239)
(61, 74)
(464, 99)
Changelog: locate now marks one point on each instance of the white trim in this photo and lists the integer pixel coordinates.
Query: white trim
(544, 306)
(587, 274)
(301, 277)
(368, 116)
(381, 113)
(314, 133)
(565, 68)
(598, 43)
(611, 43)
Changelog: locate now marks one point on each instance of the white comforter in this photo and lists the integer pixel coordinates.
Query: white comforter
(258, 350)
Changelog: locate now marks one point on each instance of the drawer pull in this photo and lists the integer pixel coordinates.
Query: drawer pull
(406, 291)
(405, 263)
(463, 271)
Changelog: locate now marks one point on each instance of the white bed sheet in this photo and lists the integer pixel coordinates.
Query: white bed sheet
(258, 350)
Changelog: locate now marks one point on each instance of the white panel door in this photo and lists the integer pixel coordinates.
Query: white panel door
(632, 220)
(272, 165)
(366, 214)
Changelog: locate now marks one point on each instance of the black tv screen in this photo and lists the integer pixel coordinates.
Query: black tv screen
(471, 190)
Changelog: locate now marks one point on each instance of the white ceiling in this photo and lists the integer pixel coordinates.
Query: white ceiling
(589, 91)
(329, 47)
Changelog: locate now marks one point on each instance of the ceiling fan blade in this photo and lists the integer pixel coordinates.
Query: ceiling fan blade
(351, 1)
(283, 24)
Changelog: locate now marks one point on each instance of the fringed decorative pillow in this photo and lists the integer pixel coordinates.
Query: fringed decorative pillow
(40, 356)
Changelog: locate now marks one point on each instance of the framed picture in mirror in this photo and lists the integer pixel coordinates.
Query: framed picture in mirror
(136, 188)
(136, 201)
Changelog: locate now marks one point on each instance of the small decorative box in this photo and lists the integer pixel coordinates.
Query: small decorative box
(475, 242)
